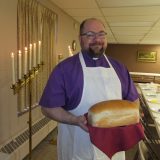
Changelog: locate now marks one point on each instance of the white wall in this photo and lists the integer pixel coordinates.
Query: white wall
(7, 44)
(10, 123)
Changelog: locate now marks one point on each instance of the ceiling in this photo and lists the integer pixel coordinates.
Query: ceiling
(126, 21)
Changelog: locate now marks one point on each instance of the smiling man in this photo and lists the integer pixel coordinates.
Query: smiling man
(76, 84)
(94, 41)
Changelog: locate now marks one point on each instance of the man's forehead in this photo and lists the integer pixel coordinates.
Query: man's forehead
(93, 21)
(94, 24)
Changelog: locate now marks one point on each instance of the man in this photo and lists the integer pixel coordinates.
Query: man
(79, 82)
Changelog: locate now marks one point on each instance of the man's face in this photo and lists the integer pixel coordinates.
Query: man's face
(93, 38)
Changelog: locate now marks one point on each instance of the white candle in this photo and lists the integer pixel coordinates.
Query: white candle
(25, 60)
(13, 68)
(70, 51)
(39, 52)
(19, 64)
(34, 54)
(30, 56)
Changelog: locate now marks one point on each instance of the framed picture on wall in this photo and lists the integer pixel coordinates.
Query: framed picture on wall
(147, 56)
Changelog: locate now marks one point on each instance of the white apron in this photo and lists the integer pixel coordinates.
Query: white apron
(99, 84)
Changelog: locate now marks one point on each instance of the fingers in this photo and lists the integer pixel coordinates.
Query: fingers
(83, 122)
(84, 127)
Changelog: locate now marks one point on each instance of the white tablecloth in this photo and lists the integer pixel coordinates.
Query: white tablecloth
(152, 99)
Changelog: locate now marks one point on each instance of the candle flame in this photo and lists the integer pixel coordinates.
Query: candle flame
(12, 54)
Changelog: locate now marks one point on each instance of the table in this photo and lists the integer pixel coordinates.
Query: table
(152, 99)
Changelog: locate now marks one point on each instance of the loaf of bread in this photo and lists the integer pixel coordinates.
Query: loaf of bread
(113, 113)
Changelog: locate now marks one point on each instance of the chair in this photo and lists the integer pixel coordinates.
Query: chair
(143, 151)
(145, 114)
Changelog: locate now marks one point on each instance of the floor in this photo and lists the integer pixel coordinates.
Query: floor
(47, 150)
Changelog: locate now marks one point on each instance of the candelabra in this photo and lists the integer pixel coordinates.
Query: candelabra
(26, 78)
(24, 82)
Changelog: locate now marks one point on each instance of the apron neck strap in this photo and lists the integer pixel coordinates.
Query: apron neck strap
(82, 60)
(108, 61)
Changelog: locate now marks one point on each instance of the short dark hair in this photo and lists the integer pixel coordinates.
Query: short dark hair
(83, 23)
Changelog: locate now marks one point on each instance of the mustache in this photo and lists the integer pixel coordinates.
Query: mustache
(94, 53)
(96, 43)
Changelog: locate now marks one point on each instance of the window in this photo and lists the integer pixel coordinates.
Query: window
(36, 27)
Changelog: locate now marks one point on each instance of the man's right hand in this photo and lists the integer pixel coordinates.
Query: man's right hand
(81, 121)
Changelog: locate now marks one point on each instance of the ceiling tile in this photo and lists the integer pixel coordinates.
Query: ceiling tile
(150, 40)
(157, 24)
(125, 37)
(150, 18)
(77, 4)
(120, 3)
(130, 29)
(81, 18)
(83, 12)
(111, 39)
(130, 24)
(153, 35)
(132, 11)
(155, 30)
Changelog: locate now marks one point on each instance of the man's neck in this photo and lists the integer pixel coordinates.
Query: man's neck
(91, 55)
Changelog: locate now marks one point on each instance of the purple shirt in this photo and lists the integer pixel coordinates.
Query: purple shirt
(65, 85)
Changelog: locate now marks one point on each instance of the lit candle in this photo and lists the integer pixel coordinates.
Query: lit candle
(39, 52)
(70, 51)
(13, 69)
(30, 56)
(34, 54)
(19, 64)
(25, 60)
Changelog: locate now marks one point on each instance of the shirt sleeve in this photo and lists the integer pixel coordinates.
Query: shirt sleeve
(54, 92)
(129, 91)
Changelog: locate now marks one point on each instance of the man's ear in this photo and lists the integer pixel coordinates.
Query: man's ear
(80, 39)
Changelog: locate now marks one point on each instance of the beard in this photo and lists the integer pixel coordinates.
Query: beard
(96, 49)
